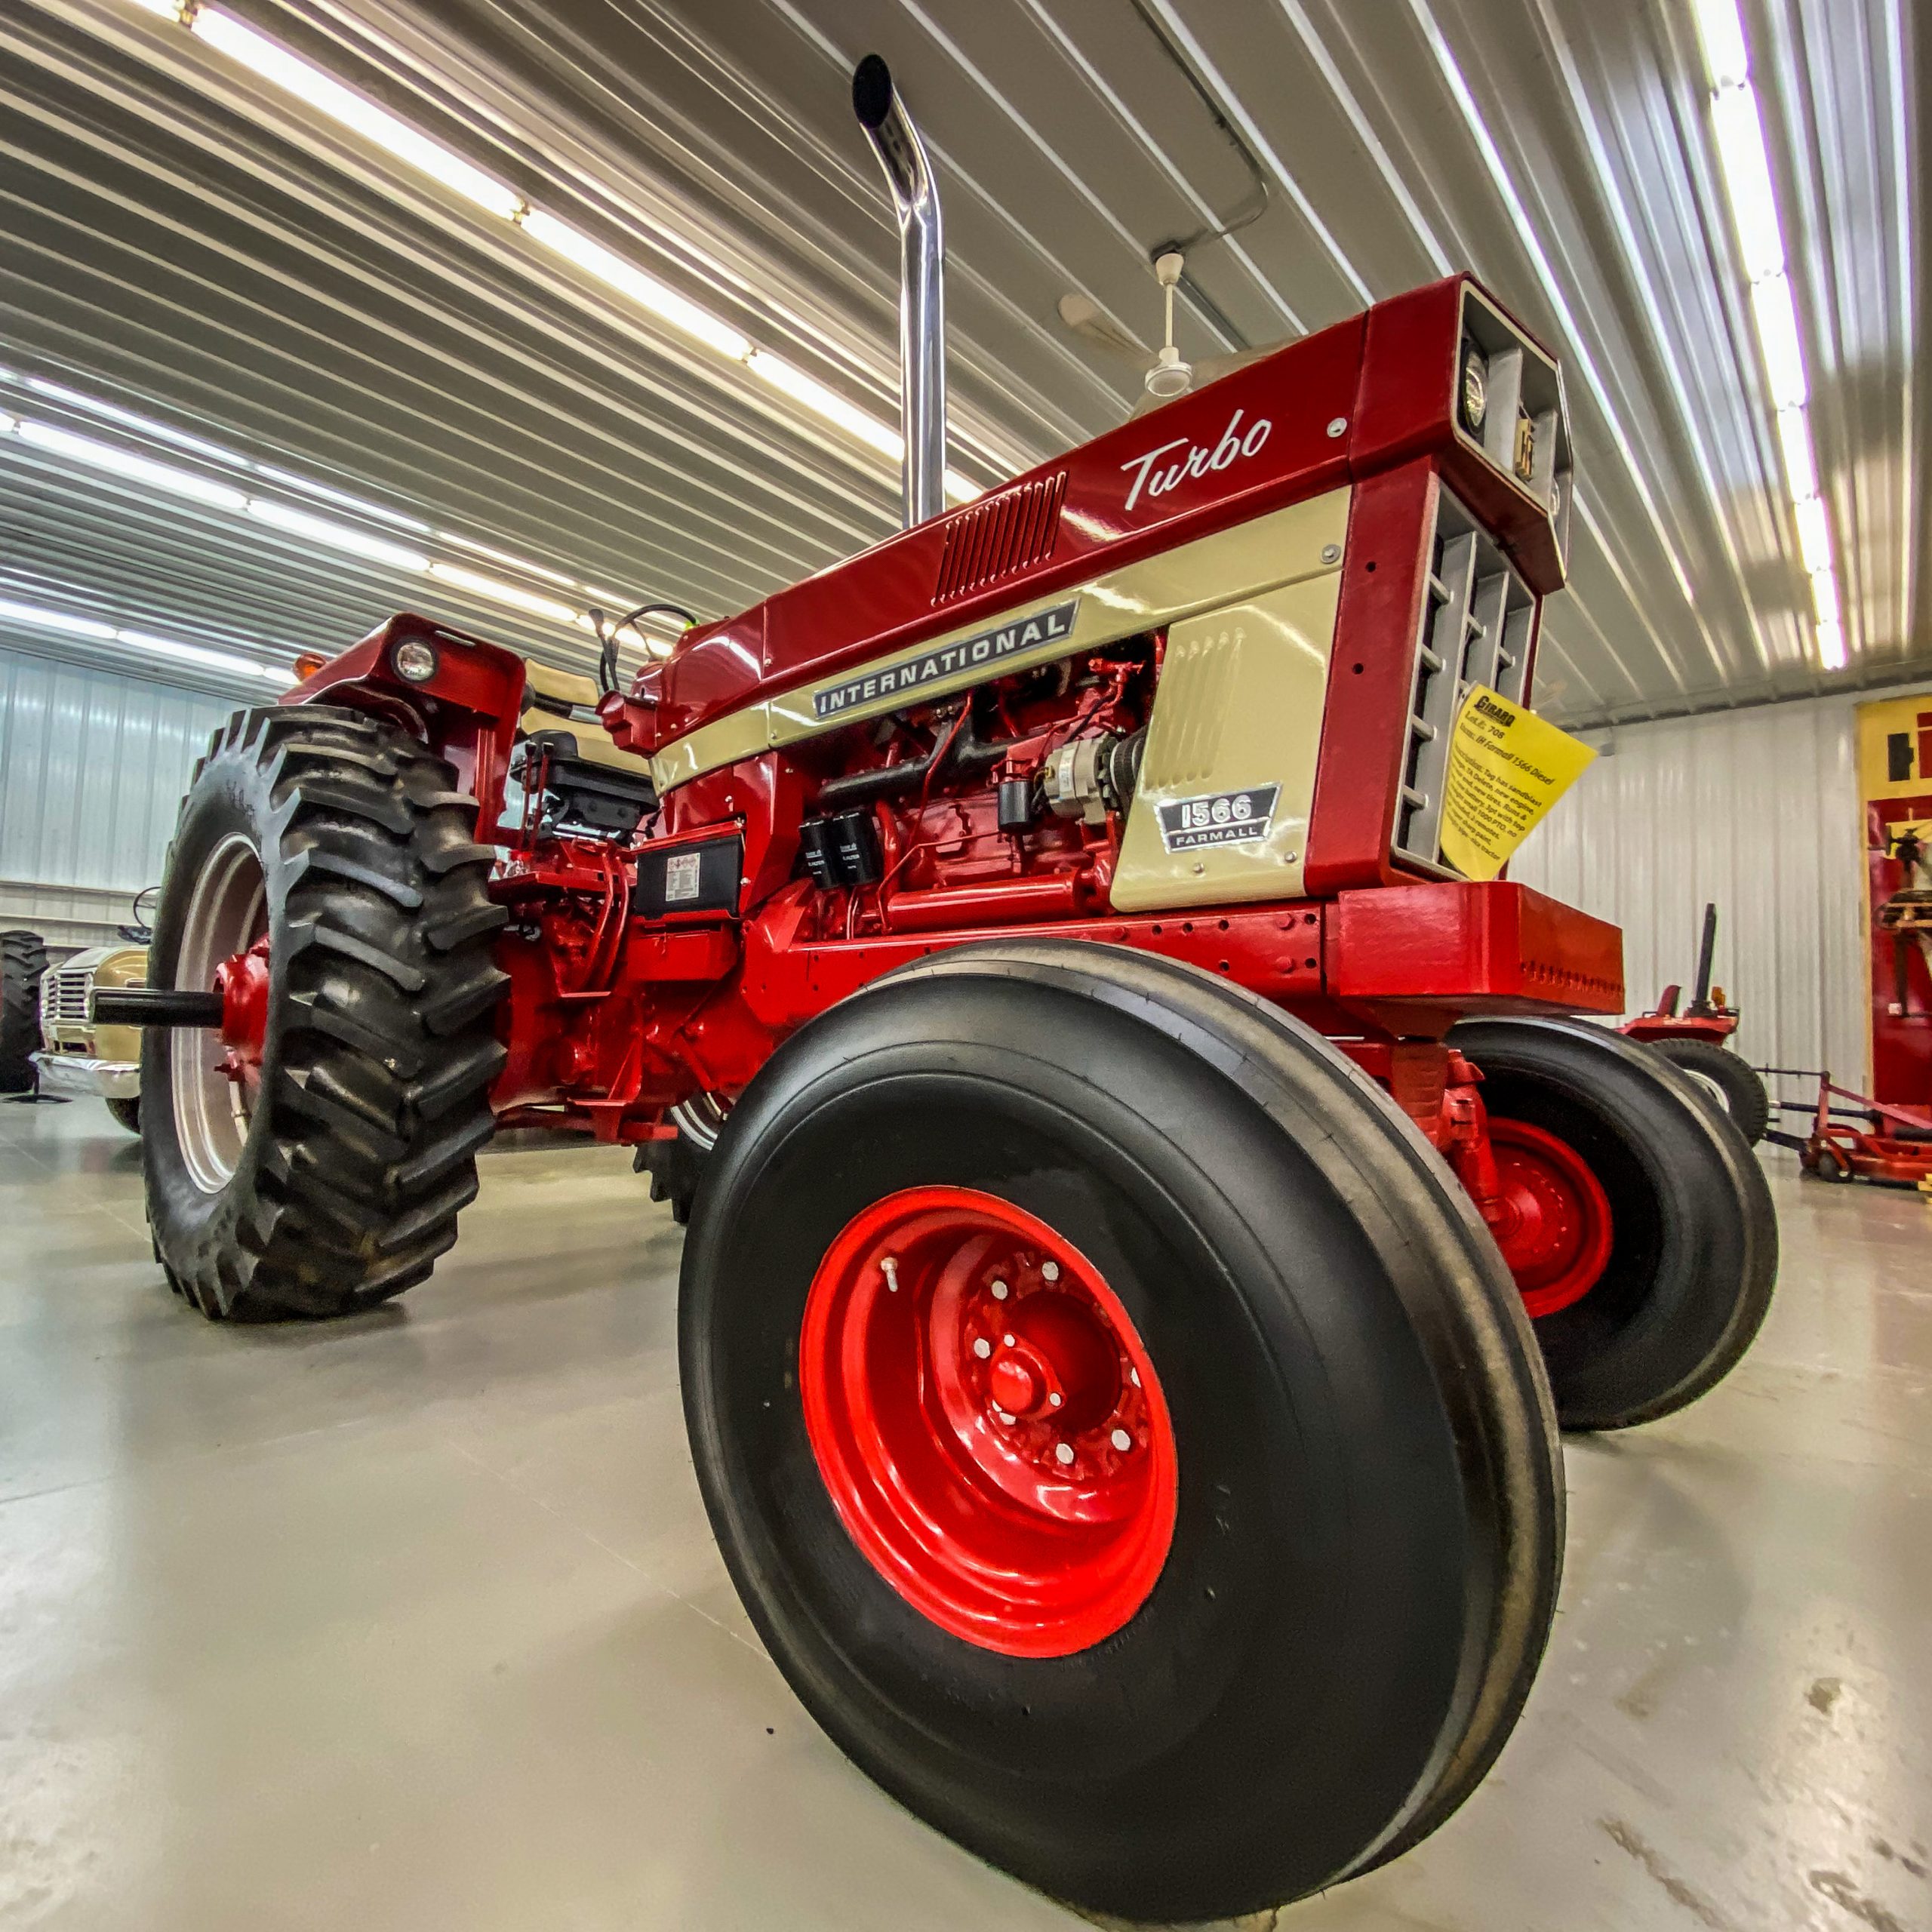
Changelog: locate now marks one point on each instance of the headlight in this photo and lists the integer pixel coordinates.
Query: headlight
(1472, 394)
(415, 660)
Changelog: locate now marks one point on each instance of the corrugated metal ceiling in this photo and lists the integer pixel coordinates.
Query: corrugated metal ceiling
(185, 240)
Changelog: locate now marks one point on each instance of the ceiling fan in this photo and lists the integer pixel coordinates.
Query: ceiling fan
(1163, 374)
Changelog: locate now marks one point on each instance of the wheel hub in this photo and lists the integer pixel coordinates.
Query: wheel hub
(988, 1422)
(1552, 1218)
(224, 946)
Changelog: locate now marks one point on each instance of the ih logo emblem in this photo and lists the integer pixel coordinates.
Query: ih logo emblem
(1221, 818)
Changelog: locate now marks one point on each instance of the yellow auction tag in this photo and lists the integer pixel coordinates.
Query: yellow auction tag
(1507, 766)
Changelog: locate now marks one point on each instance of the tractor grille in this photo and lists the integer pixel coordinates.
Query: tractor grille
(1002, 535)
(1477, 625)
(63, 996)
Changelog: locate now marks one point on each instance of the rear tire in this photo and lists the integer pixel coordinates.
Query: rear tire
(341, 1184)
(1693, 1238)
(676, 1166)
(1367, 1528)
(1734, 1086)
(127, 1113)
(22, 960)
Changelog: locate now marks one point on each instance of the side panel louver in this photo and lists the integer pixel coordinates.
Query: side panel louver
(1002, 535)
(1477, 621)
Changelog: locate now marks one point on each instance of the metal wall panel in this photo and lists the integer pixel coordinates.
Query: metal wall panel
(1758, 810)
(93, 765)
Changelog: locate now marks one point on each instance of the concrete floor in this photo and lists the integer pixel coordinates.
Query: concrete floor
(415, 1622)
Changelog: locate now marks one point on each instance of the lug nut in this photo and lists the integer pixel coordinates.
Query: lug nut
(889, 1267)
(1063, 1453)
(1122, 1440)
(1050, 1271)
(1133, 1376)
(1052, 1399)
(1001, 1291)
(982, 1348)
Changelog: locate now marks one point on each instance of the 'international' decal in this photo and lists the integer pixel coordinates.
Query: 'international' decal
(970, 654)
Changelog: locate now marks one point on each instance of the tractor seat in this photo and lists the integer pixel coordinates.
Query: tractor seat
(561, 699)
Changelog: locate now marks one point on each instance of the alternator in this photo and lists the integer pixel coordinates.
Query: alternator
(1093, 776)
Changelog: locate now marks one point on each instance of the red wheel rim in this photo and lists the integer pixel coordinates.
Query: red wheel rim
(988, 1422)
(1554, 1223)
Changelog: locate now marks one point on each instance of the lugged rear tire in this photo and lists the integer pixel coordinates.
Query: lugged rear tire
(1367, 1537)
(22, 960)
(345, 1183)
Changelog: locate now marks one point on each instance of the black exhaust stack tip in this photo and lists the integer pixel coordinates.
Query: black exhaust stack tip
(871, 92)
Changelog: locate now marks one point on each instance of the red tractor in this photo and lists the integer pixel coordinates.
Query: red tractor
(1143, 1201)
(1696, 1039)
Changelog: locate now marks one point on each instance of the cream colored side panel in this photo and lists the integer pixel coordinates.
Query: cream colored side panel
(1288, 546)
(1238, 711)
(723, 741)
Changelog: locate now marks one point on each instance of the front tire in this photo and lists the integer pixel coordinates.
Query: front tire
(326, 1175)
(1639, 1224)
(1734, 1086)
(1302, 1660)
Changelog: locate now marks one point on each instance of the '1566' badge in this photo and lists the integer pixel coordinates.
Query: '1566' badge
(1221, 818)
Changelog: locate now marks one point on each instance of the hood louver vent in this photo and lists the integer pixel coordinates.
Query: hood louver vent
(997, 537)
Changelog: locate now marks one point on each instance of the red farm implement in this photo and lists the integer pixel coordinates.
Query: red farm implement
(1875, 1140)
(1141, 1198)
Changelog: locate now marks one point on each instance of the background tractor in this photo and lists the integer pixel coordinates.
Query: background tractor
(1698, 1039)
(1142, 1199)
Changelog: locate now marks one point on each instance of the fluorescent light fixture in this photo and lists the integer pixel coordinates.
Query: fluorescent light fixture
(646, 290)
(1721, 31)
(7, 423)
(337, 536)
(322, 91)
(136, 469)
(504, 593)
(381, 513)
(793, 381)
(275, 63)
(1814, 535)
(1777, 340)
(516, 562)
(199, 653)
(1824, 597)
(1801, 473)
(146, 425)
(170, 9)
(1746, 169)
(39, 618)
(1737, 130)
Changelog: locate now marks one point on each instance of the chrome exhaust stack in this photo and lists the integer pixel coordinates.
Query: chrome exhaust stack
(921, 285)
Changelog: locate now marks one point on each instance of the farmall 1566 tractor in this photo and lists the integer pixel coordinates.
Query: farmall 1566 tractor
(1142, 1199)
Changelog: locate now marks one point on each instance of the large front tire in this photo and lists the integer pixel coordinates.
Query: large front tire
(1302, 1659)
(326, 1175)
(1670, 1252)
